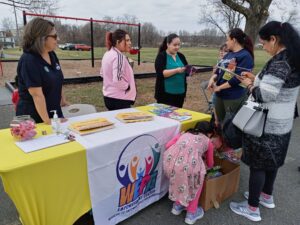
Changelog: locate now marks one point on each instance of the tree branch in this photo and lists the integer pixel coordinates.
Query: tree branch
(237, 7)
(17, 6)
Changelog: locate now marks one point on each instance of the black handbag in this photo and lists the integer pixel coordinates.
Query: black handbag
(231, 134)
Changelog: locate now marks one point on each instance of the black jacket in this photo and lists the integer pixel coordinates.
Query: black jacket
(160, 66)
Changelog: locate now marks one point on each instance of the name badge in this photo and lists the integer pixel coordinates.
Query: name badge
(227, 76)
(57, 66)
(46, 69)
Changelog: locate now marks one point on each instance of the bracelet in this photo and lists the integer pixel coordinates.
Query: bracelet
(249, 86)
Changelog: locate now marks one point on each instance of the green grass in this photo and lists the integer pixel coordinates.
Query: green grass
(197, 56)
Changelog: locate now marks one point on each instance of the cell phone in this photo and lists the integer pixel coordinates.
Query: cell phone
(239, 77)
(189, 69)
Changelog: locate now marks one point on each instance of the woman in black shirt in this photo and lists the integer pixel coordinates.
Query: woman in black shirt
(39, 73)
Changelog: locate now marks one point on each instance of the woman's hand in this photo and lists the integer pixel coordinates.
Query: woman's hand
(217, 88)
(248, 75)
(245, 80)
(48, 122)
(211, 83)
(180, 69)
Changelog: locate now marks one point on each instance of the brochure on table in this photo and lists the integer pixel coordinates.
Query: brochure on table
(41, 142)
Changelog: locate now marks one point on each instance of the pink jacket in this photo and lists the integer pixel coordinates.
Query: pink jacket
(118, 77)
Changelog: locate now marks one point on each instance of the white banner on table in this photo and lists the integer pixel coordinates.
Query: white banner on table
(125, 166)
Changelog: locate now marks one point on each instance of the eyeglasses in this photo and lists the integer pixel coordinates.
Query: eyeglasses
(55, 36)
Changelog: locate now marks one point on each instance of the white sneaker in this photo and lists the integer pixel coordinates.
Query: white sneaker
(177, 209)
(191, 218)
(242, 209)
(268, 203)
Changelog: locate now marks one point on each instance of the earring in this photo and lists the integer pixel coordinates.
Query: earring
(272, 47)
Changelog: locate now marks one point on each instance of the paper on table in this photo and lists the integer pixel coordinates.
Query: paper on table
(41, 142)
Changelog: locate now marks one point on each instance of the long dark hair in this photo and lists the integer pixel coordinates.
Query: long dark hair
(203, 127)
(287, 36)
(243, 39)
(167, 40)
(113, 37)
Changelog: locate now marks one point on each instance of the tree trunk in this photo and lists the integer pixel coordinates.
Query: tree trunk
(256, 14)
(253, 24)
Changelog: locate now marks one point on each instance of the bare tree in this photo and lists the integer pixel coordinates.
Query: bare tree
(36, 6)
(150, 37)
(44, 7)
(7, 24)
(256, 13)
(218, 14)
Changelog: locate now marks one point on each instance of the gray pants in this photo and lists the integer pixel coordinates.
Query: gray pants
(227, 105)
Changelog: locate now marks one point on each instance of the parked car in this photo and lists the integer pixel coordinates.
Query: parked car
(68, 46)
(82, 47)
(61, 46)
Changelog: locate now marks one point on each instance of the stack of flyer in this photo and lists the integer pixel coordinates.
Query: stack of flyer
(132, 117)
(90, 126)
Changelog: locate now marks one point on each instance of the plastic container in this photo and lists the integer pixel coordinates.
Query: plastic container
(55, 123)
(22, 128)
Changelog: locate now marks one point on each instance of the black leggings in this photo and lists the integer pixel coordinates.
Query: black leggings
(260, 181)
(114, 104)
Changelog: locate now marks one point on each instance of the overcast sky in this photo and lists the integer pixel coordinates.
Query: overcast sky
(166, 15)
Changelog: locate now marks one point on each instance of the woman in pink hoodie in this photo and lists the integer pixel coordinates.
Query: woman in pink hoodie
(119, 90)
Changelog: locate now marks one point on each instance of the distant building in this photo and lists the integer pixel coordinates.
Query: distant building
(7, 40)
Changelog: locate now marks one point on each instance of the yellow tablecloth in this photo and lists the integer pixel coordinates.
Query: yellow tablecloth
(50, 186)
(187, 124)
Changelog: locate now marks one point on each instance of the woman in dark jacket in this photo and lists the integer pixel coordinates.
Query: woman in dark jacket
(171, 86)
(40, 77)
(277, 88)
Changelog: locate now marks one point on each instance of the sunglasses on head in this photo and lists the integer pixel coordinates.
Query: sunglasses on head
(55, 36)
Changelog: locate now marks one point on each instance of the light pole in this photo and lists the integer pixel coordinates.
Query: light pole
(17, 27)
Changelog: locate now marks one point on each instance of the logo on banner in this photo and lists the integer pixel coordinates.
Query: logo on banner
(136, 170)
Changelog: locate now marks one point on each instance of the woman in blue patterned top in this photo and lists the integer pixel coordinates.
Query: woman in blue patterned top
(277, 88)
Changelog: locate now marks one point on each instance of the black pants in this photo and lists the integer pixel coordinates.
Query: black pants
(260, 181)
(114, 104)
(173, 100)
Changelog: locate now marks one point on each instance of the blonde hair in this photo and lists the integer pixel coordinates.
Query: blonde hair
(35, 33)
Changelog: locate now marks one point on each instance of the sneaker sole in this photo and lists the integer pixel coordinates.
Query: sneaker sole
(175, 212)
(254, 219)
(190, 222)
(269, 206)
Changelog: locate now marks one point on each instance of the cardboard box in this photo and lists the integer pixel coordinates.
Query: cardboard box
(216, 190)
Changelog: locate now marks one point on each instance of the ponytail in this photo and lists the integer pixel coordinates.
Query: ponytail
(291, 40)
(248, 45)
(113, 38)
(108, 40)
(243, 39)
(163, 45)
